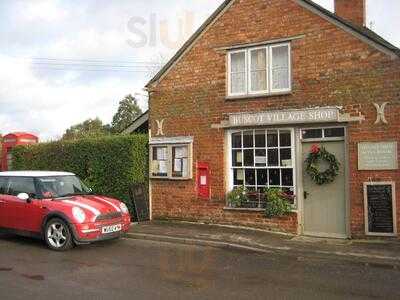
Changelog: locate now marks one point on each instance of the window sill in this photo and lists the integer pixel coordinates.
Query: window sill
(255, 96)
(171, 179)
(243, 209)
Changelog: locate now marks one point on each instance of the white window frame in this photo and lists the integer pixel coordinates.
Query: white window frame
(230, 72)
(170, 161)
(272, 90)
(269, 61)
(230, 168)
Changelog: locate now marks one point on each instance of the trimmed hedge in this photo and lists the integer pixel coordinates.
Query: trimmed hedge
(109, 165)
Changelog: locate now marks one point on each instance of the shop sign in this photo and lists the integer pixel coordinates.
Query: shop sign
(295, 116)
(377, 156)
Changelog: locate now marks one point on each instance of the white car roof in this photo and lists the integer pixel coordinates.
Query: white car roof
(34, 173)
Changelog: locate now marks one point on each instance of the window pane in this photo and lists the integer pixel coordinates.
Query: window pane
(237, 140)
(272, 138)
(248, 139)
(273, 157)
(261, 158)
(248, 157)
(312, 133)
(262, 177)
(280, 67)
(286, 157)
(238, 72)
(159, 153)
(287, 177)
(237, 158)
(260, 139)
(250, 176)
(290, 192)
(238, 83)
(159, 163)
(180, 161)
(238, 62)
(285, 138)
(19, 185)
(258, 59)
(274, 177)
(258, 70)
(258, 81)
(238, 176)
(334, 132)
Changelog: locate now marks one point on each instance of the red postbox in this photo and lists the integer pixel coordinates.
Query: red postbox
(203, 180)
(12, 140)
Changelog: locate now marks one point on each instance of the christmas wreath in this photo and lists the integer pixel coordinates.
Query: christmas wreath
(316, 155)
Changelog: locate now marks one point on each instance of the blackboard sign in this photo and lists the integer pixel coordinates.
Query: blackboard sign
(140, 197)
(380, 208)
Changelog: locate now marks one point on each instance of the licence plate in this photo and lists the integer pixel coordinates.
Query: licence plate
(111, 229)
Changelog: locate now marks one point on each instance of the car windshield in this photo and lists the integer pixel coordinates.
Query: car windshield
(61, 186)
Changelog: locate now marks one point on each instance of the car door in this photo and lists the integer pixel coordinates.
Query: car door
(24, 215)
(3, 207)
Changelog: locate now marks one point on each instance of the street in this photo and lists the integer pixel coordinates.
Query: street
(135, 269)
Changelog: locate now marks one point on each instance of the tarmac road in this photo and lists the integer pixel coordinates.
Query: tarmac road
(136, 269)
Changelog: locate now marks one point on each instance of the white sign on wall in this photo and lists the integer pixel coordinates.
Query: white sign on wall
(377, 156)
(294, 116)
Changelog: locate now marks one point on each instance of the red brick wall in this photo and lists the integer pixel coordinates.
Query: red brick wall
(351, 10)
(330, 67)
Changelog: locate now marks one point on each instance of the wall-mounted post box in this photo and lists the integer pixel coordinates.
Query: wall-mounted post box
(203, 180)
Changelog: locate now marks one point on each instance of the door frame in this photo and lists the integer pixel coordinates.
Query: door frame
(300, 187)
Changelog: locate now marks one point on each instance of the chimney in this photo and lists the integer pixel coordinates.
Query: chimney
(351, 10)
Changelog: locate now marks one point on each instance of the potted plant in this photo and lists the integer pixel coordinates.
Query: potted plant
(237, 197)
(278, 203)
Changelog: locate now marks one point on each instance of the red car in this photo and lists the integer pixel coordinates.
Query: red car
(59, 208)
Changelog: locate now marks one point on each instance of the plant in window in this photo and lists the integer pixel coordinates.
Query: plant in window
(238, 196)
(278, 204)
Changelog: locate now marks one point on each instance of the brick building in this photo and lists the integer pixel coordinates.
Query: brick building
(250, 93)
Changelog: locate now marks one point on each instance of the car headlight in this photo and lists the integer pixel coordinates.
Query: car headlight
(123, 208)
(78, 214)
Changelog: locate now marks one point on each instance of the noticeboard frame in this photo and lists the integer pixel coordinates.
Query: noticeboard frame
(393, 186)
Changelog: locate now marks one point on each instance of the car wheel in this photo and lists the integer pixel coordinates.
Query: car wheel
(57, 235)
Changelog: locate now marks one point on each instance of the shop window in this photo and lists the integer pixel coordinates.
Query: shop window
(171, 161)
(259, 70)
(264, 159)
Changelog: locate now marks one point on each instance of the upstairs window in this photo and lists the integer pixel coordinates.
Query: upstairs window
(259, 70)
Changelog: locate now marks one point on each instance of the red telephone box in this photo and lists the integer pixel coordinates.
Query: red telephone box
(203, 180)
(12, 140)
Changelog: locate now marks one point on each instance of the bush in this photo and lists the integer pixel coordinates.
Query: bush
(109, 165)
(237, 197)
(277, 203)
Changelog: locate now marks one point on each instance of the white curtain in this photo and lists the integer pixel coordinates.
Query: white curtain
(258, 70)
(238, 72)
(280, 67)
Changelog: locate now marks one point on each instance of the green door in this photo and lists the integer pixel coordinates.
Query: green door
(325, 205)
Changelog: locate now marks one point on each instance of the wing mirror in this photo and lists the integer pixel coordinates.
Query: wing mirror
(23, 197)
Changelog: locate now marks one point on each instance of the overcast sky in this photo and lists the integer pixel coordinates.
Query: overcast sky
(64, 61)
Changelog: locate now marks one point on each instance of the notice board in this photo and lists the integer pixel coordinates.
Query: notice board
(380, 208)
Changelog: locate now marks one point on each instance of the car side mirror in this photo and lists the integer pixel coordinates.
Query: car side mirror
(23, 197)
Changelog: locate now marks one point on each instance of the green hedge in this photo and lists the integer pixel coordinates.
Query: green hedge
(108, 164)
